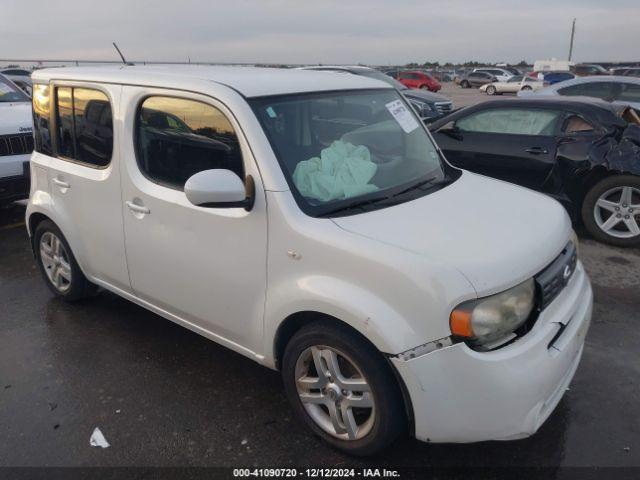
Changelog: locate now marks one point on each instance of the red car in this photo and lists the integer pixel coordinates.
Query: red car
(416, 79)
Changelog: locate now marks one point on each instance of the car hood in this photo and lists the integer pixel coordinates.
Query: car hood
(424, 95)
(496, 234)
(15, 118)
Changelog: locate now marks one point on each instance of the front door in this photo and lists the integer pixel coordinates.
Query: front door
(206, 267)
(513, 144)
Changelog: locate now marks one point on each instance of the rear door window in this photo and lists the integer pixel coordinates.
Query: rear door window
(84, 126)
(512, 121)
(575, 124)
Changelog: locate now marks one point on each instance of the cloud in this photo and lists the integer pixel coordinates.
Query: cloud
(329, 31)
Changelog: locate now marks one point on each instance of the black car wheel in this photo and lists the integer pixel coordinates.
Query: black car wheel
(491, 90)
(526, 88)
(342, 388)
(465, 84)
(611, 211)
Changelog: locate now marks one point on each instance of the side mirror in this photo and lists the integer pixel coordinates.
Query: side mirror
(450, 130)
(220, 188)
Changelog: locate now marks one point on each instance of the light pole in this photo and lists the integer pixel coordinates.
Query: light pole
(573, 32)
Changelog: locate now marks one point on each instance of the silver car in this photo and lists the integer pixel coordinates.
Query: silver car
(615, 89)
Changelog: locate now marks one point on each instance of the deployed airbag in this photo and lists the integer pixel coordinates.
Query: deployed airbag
(343, 170)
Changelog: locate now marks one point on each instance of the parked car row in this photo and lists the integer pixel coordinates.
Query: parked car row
(430, 106)
(382, 282)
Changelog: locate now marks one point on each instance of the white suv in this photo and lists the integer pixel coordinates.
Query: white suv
(306, 220)
(16, 142)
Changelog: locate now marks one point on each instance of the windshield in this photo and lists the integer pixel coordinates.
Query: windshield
(9, 92)
(348, 151)
(384, 77)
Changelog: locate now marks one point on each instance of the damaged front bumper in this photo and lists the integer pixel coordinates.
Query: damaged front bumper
(461, 395)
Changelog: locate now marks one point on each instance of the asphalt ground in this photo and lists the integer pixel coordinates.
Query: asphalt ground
(165, 397)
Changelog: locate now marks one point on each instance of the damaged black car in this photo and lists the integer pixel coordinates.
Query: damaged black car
(583, 152)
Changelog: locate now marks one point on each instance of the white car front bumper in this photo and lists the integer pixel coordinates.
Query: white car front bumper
(461, 395)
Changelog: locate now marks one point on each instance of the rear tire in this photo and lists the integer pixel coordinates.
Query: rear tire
(465, 84)
(611, 211)
(526, 88)
(325, 397)
(58, 265)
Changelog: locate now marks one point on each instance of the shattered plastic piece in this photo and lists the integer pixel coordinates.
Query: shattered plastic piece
(97, 439)
(244, 441)
(118, 411)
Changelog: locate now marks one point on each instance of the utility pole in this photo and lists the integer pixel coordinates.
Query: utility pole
(573, 32)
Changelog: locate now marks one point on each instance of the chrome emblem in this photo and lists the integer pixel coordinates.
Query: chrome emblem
(567, 272)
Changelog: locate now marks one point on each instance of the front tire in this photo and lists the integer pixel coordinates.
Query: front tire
(465, 84)
(491, 90)
(342, 388)
(58, 265)
(611, 211)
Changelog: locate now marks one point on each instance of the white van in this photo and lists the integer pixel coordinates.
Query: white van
(16, 142)
(307, 220)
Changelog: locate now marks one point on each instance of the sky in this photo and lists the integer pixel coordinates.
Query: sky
(376, 32)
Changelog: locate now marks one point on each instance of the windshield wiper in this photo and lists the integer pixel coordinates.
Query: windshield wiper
(414, 186)
(372, 201)
(356, 204)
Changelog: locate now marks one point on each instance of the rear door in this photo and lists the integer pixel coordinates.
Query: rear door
(84, 177)
(517, 145)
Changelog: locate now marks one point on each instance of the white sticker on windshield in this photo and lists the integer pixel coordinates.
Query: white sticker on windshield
(402, 115)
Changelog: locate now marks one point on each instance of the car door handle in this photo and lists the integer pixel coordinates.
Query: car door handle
(536, 150)
(137, 208)
(60, 183)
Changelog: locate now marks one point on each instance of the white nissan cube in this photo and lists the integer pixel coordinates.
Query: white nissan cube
(307, 220)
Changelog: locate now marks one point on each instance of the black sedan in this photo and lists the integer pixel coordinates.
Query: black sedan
(583, 152)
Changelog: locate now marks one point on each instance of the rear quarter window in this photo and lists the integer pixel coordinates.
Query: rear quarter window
(42, 119)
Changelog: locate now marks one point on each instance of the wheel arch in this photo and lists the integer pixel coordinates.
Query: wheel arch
(35, 219)
(294, 322)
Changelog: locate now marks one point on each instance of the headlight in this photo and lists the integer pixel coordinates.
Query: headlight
(574, 239)
(421, 107)
(491, 318)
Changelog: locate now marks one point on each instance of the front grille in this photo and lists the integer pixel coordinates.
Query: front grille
(555, 277)
(444, 107)
(16, 144)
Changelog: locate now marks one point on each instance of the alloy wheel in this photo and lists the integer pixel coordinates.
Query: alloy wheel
(55, 260)
(617, 212)
(335, 393)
